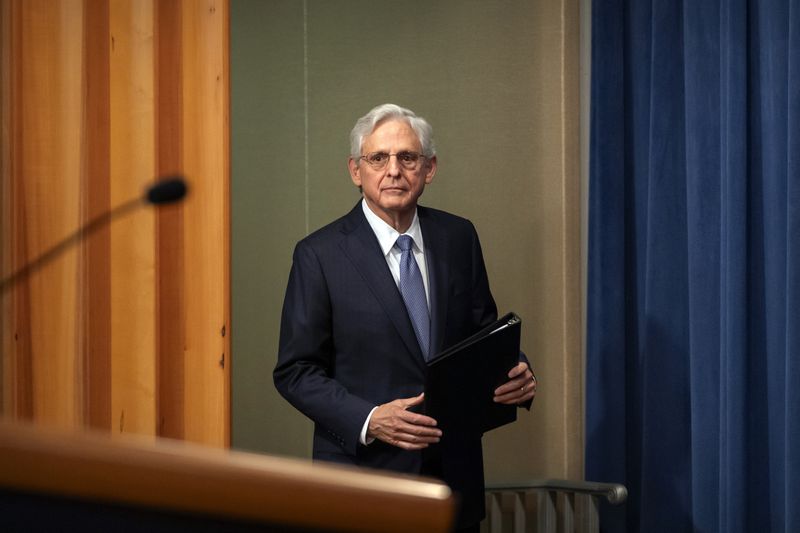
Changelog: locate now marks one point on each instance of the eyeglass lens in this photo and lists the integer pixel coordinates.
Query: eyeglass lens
(378, 160)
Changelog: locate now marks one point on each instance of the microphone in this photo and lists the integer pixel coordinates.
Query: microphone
(166, 190)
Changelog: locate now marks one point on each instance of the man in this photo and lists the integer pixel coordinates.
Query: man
(373, 295)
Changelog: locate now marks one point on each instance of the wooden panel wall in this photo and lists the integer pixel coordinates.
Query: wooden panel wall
(129, 331)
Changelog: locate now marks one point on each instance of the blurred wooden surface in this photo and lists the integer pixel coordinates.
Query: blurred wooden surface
(178, 476)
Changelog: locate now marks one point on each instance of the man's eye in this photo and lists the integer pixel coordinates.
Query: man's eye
(407, 157)
(378, 157)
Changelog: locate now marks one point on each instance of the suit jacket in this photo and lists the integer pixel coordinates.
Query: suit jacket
(347, 343)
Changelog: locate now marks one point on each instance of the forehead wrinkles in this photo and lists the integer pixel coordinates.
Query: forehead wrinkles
(391, 135)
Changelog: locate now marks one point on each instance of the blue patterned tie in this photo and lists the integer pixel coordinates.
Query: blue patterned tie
(413, 292)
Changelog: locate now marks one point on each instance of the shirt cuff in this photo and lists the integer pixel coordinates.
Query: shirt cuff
(363, 437)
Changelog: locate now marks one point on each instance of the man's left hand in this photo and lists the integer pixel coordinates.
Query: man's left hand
(520, 387)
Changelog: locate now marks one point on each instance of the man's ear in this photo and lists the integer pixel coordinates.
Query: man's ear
(431, 169)
(355, 172)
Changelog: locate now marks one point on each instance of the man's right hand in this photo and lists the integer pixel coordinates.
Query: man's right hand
(394, 424)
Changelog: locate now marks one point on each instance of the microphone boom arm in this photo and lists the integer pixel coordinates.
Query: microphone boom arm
(59, 248)
(165, 191)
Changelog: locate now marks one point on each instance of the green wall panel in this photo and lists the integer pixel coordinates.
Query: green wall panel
(490, 77)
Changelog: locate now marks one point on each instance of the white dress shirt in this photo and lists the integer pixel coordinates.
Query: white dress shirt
(387, 236)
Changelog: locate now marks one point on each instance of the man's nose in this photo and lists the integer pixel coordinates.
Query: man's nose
(393, 166)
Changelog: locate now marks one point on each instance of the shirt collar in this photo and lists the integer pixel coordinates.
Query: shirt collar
(387, 235)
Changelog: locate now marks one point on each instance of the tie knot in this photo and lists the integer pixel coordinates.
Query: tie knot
(404, 242)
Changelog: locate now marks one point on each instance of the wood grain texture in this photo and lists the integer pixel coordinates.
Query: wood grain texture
(182, 477)
(124, 331)
(205, 104)
(171, 330)
(132, 238)
(48, 172)
(96, 182)
(6, 329)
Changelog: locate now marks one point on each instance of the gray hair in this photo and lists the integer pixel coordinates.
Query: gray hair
(367, 124)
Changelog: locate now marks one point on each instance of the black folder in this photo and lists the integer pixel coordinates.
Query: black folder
(461, 380)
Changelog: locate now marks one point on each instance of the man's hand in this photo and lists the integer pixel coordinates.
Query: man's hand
(394, 424)
(520, 387)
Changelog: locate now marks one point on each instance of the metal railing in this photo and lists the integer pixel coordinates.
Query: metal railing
(548, 506)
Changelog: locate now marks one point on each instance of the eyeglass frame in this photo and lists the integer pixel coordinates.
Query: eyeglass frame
(389, 155)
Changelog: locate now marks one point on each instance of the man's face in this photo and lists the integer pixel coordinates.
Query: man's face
(394, 189)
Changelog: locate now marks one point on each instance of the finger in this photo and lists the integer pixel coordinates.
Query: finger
(521, 368)
(410, 402)
(422, 422)
(511, 386)
(408, 441)
(515, 395)
(411, 438)
(509, 398)
(407, 445)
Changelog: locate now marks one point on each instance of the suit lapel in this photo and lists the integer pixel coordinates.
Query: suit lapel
(361, 247)
(437, 262)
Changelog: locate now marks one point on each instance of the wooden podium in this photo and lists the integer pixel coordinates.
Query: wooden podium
(58, 480)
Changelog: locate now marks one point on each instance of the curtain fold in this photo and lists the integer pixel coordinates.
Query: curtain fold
(693, 316)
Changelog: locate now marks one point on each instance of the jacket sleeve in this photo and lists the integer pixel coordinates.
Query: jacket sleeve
(306, 355)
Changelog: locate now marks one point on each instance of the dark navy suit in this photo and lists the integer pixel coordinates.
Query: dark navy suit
(347, 343)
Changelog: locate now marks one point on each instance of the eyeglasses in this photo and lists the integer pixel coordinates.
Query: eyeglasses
(407, 160)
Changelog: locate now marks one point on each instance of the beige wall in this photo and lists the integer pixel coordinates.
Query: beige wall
(499, 82)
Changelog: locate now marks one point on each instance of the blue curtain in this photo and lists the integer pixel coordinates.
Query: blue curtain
(693, 352)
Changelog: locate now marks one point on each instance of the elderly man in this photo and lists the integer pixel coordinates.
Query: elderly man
(370, 298)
